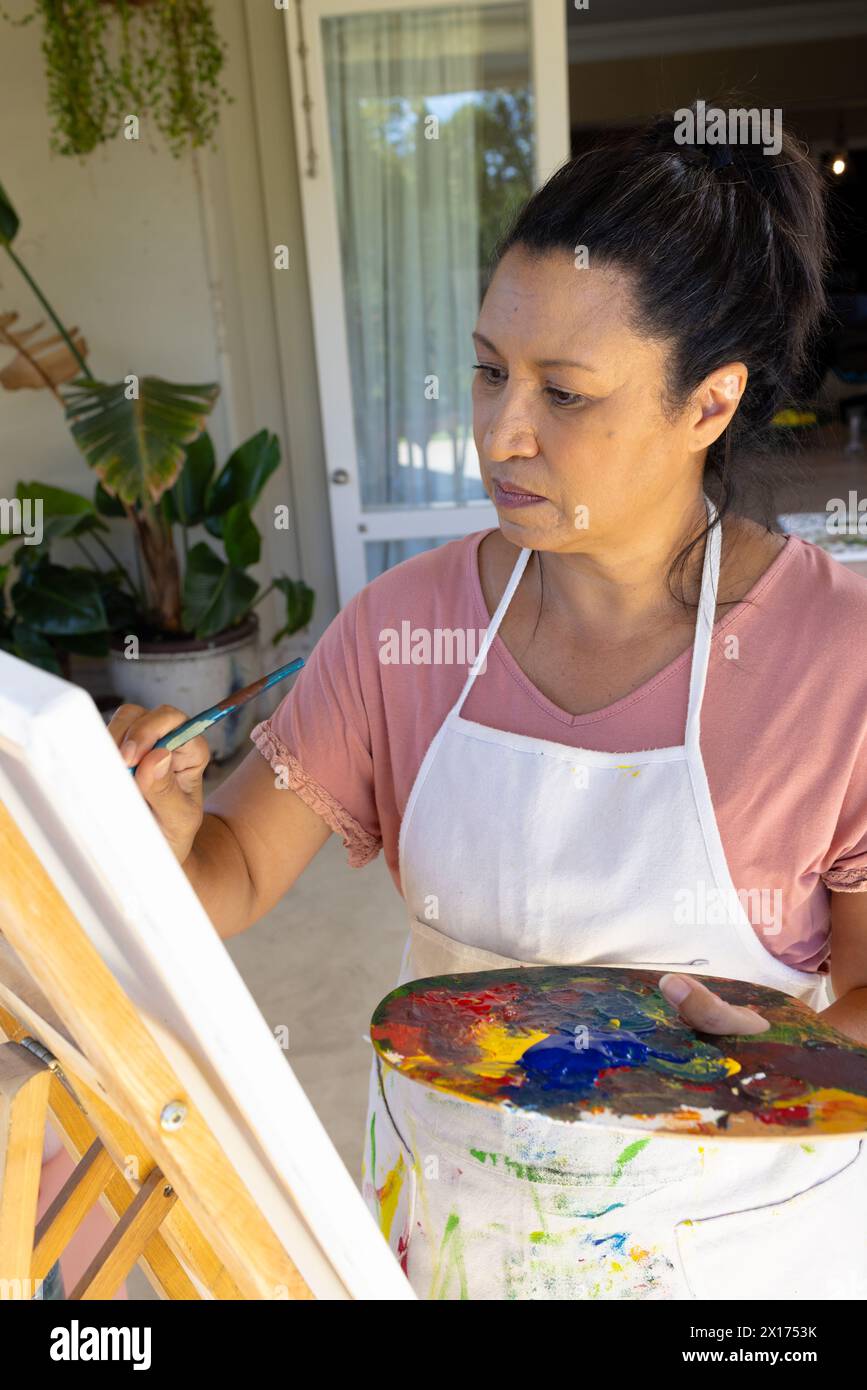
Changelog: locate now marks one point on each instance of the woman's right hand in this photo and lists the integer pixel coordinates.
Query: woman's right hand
(171, 783)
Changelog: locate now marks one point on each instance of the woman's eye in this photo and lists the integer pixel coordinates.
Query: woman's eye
(565, 397)
(494, 376)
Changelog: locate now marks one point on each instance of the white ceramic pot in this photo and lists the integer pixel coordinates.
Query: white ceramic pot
(193, 676)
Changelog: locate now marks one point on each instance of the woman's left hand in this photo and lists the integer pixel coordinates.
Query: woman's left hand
(705, 1011)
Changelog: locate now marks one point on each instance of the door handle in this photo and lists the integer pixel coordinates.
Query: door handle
(340, 475)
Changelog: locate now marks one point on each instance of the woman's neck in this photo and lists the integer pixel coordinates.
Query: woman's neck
(623, 586)
(625, 594)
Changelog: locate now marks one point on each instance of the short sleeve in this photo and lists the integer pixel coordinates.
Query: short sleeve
(318, 740)
(845, 879)
(848, 871)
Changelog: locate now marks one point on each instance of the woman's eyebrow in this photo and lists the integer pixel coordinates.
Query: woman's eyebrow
(542, 362)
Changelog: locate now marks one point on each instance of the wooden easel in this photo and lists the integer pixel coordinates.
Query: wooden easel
(125, 1019)
(141, 1147)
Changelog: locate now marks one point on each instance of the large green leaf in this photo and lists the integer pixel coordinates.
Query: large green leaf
(242, 478)
(63, 513)
(28, 644)
(83, 643)
(57, 501)
(137, 446)
(105, 503)
(121, 610)
(299, 605)
(9, 222)
(59, 601)
(30, 557)
(241, 537)
(216, 595)
(185, 503)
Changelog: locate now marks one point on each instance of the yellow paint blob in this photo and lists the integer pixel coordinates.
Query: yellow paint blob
(500, 1048)
(388, 1196)
(831, 1109)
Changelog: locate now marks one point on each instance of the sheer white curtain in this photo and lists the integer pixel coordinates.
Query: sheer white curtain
(402, 89)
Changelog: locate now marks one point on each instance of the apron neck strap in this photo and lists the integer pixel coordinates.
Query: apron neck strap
(493, 625)
(703, 627)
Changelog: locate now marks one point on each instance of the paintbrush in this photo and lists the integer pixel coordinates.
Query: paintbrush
(199, 723)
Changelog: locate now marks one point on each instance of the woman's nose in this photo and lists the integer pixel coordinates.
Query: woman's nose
(510, 434)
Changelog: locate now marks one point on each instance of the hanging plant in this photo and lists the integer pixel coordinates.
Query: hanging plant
(107, 60)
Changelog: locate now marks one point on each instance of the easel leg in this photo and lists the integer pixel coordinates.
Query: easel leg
(24, 1084)
(120, 1252)
(74, 1200)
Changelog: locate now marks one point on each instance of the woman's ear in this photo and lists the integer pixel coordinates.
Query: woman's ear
(716, 401)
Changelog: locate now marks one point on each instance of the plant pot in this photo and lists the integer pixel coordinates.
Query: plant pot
(192, 676)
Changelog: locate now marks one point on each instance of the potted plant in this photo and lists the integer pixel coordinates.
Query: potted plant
(110, 62)
(181, 633)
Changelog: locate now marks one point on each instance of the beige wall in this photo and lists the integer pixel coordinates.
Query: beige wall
(115, 242)
(169, 270)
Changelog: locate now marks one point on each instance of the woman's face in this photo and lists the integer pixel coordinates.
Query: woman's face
(568, 406)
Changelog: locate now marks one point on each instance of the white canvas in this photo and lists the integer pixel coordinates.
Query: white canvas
(74, 800)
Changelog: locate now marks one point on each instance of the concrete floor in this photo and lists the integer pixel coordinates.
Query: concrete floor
(318, 964)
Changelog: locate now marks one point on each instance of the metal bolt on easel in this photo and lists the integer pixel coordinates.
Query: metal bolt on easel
(173, 1115)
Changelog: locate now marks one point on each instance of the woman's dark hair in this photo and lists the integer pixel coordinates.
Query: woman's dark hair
(728, 259)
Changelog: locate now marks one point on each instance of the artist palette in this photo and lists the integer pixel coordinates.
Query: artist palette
(602, 1046)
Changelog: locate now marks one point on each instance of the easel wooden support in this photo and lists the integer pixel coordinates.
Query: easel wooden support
(123, 1017)
(141, 1147)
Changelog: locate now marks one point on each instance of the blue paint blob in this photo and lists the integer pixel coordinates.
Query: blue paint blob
(618, 1240)
(566, 1061)
(594, 1215)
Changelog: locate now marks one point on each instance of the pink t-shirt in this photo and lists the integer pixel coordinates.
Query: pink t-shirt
(783, 733)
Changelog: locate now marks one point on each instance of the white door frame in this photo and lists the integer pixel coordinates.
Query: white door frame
(351, 525)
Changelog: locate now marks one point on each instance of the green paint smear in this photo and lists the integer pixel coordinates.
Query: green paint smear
(551, 1238)
(526, 1171)
(631, 1151)
(482, 1156)
(538, 1205)
(452, 1245)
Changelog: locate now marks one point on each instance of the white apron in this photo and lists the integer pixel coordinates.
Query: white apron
(517, 850)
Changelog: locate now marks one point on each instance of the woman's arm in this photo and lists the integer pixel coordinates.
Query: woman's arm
(248, 846)
(849, 964)
(254, 842)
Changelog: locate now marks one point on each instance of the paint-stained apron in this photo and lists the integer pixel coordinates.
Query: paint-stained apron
(520, 851)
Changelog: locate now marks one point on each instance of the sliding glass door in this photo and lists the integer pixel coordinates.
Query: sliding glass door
(425, 128)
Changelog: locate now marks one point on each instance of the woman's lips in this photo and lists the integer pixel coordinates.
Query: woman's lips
(508, 495)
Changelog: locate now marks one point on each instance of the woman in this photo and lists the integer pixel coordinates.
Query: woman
(656, 757)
